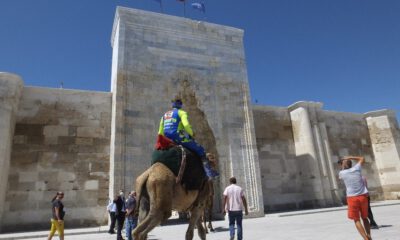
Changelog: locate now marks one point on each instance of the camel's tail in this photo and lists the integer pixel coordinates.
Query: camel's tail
(140, 187)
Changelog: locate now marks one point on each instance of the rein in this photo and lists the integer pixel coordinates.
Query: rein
(183, 165)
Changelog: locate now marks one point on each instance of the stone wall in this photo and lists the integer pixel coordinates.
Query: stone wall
(299, 148)
(385, 139)
(61, 143)
(280, 171)
(348, 135)
(11, 86)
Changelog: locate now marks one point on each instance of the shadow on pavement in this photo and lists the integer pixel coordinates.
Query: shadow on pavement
(152, 237)
(221, 229)
(179, 222)
(385, 226)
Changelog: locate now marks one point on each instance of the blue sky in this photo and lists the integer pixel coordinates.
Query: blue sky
(344, 53)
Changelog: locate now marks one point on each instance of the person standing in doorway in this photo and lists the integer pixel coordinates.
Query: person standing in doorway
(57, 221)
(131, 218)
(357, 194)
(234, 202)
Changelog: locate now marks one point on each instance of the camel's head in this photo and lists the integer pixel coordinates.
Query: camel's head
(213, 160)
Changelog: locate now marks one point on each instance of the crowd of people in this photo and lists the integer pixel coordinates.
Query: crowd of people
(122, 211)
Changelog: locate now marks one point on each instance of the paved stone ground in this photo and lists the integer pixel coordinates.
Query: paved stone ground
(327, 224)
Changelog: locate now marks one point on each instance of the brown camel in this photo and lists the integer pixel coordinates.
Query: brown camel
(158, 194)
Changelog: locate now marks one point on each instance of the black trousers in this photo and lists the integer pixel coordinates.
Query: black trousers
(370, 215)
(113, 218)
(120, 222)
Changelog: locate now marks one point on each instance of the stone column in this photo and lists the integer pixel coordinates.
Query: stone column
(385, 138)
(10, 92)
(310, 151)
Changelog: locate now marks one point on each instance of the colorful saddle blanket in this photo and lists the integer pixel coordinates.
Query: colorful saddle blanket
(193, 177)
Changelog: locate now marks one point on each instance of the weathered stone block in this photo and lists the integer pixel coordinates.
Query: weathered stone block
(66, 140)
(92, 185)
(84, 141)
(19, 139)
(56, 131)
(28, 176)
(92, 132)
(66, 176)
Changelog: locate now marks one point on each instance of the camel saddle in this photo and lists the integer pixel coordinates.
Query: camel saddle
(193, 176)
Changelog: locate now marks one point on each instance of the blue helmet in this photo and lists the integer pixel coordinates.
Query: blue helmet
(177, 103)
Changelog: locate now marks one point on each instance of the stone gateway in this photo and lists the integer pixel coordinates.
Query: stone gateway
(91, 144)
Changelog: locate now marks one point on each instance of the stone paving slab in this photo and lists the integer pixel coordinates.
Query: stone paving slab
(313, 224)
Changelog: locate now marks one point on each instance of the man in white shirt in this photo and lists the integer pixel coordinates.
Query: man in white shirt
(112, 208)
(234, 201)
(357, 194)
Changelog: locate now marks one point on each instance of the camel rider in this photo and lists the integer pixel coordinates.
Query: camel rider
(175, 126)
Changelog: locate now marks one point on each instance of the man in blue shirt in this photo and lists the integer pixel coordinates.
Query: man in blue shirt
(131, 218)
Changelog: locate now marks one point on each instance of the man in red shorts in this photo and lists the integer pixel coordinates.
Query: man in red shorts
(357, 194)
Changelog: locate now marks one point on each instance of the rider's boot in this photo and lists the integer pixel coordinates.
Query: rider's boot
(210, 172)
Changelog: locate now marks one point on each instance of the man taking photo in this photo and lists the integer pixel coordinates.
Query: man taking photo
(357, 193)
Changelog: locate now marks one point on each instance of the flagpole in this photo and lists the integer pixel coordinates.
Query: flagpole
(161, 7)
(184, 8)
(204, 12)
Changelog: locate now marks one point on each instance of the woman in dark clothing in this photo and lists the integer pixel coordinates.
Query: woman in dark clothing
(57, 221)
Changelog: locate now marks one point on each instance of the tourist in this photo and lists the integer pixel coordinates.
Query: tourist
(57, 220)
(120, 204)
(112, 209)
(357, 194)
(372, 222)
(131, 217)
(234, 201)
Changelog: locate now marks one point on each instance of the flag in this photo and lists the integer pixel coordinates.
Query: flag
(180, 0)
(199, 6)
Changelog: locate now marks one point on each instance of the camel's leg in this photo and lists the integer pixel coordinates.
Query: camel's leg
(144, 208)
(154, 218)
(204, 219)
(160, 194)
(210, 208)
(143, 213)
(195, 220)
(150, 222)
(201, 231)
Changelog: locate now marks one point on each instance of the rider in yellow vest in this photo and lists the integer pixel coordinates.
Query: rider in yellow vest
(175, 125)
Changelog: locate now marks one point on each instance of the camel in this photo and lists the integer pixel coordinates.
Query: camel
(158, 194)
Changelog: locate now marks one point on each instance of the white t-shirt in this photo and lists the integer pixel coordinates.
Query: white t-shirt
(353, 180)
(112, 207)
(234, 194)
